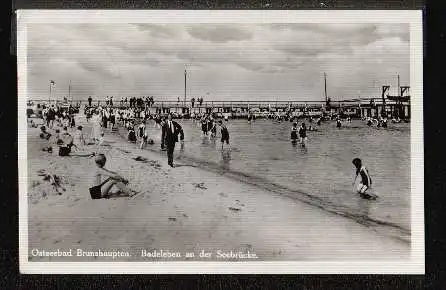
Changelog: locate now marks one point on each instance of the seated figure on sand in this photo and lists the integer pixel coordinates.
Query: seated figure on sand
(105, 179)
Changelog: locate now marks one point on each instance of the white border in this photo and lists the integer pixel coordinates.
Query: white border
(415, 265)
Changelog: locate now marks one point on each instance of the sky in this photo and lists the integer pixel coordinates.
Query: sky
(224, 62)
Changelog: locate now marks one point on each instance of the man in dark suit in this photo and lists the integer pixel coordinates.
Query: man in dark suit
(169, 137)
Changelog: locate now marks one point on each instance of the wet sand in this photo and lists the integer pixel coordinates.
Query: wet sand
(183, 209)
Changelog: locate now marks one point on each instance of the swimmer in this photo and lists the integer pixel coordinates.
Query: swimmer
(338, 123)
(204, 126)
(224, 134)
(303, 134)
(366, 181)
(213, 130)
(294, 131)
(144, 139)
(141, 129)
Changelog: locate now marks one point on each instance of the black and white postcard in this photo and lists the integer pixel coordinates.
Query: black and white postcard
(220, 141)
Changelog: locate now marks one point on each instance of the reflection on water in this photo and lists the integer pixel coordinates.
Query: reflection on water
(323, 168)
(225, 158)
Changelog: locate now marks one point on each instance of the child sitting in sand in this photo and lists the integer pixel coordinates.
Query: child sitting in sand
(131, 136)
(44, 134)
(105, 179)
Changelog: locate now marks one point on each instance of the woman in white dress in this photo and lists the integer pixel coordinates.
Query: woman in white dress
(96, 130)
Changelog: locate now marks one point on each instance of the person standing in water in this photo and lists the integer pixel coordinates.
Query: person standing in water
(213, 128)
(294, 131)
(303, 134)
(141, 130)
(204, 125)
(366, 181)
(224, 133)
(338, 123)
(144, 138)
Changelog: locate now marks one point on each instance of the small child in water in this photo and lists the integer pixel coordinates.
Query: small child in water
(224, 134)
(102, 186)
(366, 181)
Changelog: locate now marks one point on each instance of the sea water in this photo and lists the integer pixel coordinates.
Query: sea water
(321, 173)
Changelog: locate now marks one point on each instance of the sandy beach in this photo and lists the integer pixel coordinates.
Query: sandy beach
(182, 209)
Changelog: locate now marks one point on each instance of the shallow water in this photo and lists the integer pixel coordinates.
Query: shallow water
(322, 170)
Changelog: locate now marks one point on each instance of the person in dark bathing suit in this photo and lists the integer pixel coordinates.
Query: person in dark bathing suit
(213, 128)
(204, 126)
(303, 134)
(294, 131)
(338, 123)
(224, 134)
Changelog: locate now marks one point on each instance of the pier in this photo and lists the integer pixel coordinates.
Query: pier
(356, 108)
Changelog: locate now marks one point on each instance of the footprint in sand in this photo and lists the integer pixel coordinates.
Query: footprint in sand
(199, 185)
(233, 209)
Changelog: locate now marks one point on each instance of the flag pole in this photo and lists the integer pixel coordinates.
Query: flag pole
(69, 92)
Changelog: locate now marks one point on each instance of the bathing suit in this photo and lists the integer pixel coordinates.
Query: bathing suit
(224, 135)
(293, 133)
(204, 126)
(131, 136)
(141, 131)
(365, 177)
(302, 132)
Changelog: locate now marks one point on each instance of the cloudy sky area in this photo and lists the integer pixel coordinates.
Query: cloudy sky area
(236, 62)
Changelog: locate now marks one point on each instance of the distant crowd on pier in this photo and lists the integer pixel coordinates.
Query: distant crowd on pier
(136, 102)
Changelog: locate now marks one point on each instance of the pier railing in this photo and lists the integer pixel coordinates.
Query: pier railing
(234, 104)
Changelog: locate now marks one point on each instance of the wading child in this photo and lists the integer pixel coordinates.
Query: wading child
(303, 134)
(224, 134)
(365, 182)
(105, 179)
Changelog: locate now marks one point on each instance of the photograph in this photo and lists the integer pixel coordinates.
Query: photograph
(220, 141)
